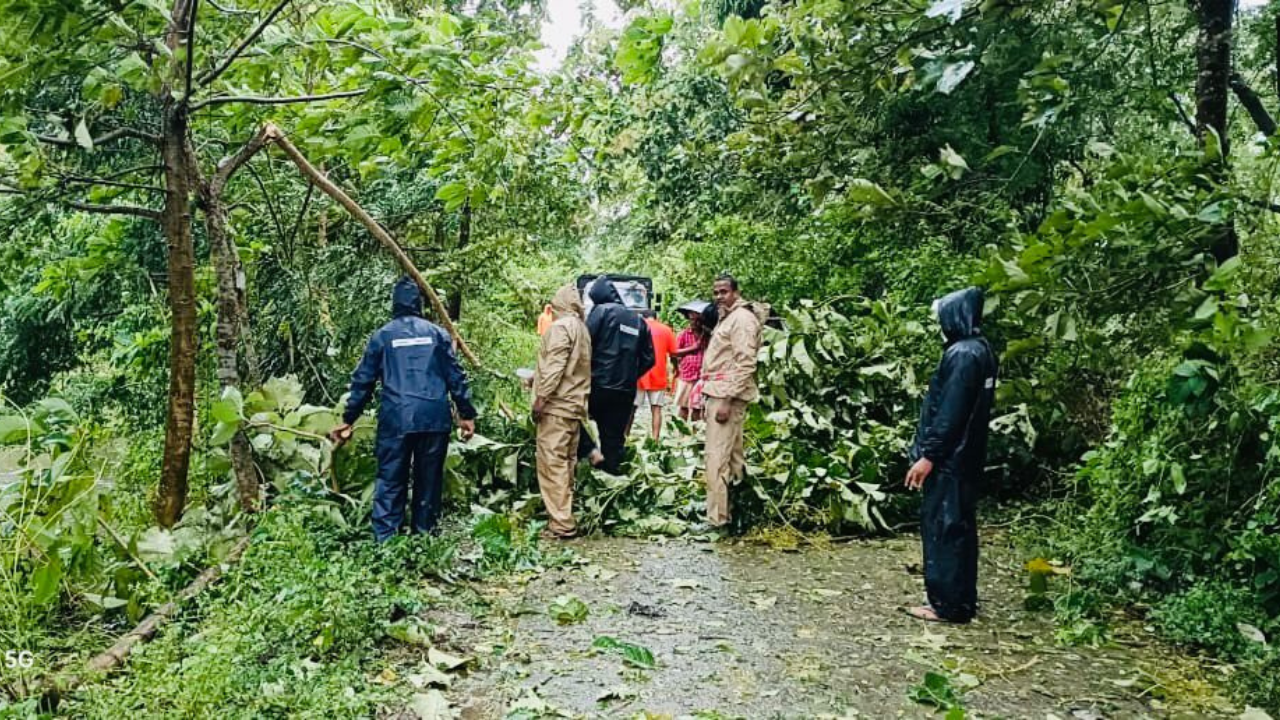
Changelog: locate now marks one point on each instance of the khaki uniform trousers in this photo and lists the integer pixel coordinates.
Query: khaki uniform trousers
(725, 458)
(557, 456)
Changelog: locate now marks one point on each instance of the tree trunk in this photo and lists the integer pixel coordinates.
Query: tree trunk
(222, 248)
(175, 219)
(1214, 19)
(464, 239)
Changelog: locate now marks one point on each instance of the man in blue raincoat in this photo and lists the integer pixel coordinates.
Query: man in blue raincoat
(948, 457)
(415, 361)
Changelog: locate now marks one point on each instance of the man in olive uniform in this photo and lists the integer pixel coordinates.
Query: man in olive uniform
(729, 385)
(561, 384)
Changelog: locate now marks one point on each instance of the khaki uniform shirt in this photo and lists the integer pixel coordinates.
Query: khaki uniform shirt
(729, 367)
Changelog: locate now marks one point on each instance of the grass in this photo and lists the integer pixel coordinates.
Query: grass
(300, 627)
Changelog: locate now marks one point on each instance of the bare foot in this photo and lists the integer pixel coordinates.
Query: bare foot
(924, 612)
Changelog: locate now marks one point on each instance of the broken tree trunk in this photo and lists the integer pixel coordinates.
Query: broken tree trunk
(329, 188)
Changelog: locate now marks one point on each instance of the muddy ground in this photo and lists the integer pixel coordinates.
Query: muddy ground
(744, 630)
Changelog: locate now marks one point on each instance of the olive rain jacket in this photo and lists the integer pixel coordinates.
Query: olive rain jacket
(953, 435)
(414, 360)
(563, 377)
(621, 347)
(729, 366)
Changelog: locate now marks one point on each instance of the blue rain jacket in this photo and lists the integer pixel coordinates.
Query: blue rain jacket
(414, 360)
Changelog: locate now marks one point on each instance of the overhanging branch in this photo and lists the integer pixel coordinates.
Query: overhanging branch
(1253, 105)
(110, 209)
(109, 136)
(257, 100)
(331, 189)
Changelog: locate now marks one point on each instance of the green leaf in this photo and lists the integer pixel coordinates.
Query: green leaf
(636, 655)
(864, 191)
(284, 393)
(1224, 275)
(226, 411)
(1207, 309)
(13, 429)
(46, 581)
(411, 630)
(223, 432)
(156, 545)
(105, 602)
(568, 609)
(800, 354)
(452, 195)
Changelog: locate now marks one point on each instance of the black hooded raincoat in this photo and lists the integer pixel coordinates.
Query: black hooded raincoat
(953, 435)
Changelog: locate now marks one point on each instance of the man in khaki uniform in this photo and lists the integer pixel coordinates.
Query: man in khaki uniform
(729, 383)
(560, 385)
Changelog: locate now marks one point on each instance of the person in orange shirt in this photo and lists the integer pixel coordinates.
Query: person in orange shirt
(651, 390)
(545, 319)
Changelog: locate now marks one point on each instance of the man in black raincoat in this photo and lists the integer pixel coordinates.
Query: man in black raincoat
(415, 361)
(948, 455)
(621, 351)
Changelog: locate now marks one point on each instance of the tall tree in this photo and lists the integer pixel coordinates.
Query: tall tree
(1214, 20)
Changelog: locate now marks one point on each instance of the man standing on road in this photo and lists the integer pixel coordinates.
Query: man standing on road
(560, 386)
(621, 351)
(948, 457)
(415, 362)
(729, 384)
(651, 391)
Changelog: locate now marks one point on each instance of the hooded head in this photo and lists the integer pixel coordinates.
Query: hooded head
(960, 314)
(603, 292)
(406, 298)
(566, 302)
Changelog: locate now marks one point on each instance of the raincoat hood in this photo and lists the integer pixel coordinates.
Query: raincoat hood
(960, 314)
(566, 302)
(603, 292)
(406, 298)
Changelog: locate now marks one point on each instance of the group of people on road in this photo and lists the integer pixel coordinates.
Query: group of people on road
(608, 364)
(601, 366)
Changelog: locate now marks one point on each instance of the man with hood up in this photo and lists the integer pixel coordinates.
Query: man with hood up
(415, 361)
(948, 456)
(561, 384)
(729, 385)
(621, 351)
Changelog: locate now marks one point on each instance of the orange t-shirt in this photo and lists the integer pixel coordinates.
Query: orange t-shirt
(664, 343)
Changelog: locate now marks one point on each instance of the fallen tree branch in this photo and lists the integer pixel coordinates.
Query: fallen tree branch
(116, 655)
(328, 187)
